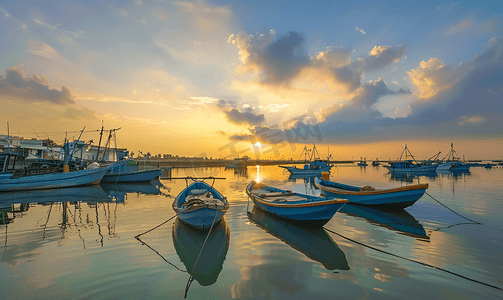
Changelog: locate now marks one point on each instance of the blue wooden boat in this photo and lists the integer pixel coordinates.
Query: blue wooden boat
(200, 205)
(127, 171)
(488, 166)
(315, 243)
(395, 197)
(313, 166)
(303, 209)
(53, 180)
(189, 242)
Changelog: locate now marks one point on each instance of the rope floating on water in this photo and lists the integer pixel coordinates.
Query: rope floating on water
(452, 210)
(414, 261)
(144, 243)
(136, 237)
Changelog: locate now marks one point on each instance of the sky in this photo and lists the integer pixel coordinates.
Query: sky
(213, 78)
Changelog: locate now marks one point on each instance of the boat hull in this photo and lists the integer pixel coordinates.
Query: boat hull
(141, 176)
(397, 197)
(453, 166)
(54, 180)
(427, 168)
(316, 212)
(306, 172)
(200, 214)
(202, 218)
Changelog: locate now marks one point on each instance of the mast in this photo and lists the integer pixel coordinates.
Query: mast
(99, 144)
(8, 136)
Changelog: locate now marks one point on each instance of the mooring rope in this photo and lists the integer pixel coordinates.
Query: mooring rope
(452, 210)
(136, 237)
(414, 261)
(206, 239)
(144, 243)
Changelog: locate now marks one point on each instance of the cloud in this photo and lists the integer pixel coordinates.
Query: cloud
(361, 108)
(454, 101)
(432, 77)
(262, 134)
(18, 84)
(84, 113)
(360, 30)
(244, 117)
(380, 57)
(277, 62)
(280, 64)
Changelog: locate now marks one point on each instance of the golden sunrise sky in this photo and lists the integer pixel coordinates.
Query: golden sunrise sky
(211, 78)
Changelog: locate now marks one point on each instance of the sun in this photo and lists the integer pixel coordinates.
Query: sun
(257, 144)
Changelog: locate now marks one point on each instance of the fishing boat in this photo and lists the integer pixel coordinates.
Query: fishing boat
(53, 180)
(205, 264)
(200, 205)
(303, 209)
(488, 166)
(127, 171)
(314, 165)
(376, 162)
(315, 243)
(363, 162)
(451, 162)
(403, 164)
(395, 197)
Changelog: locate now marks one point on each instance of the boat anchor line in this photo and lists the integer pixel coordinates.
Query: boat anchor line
(475, 222)
(201, 251)
(144, 243)
(414, 261)
(137, 236)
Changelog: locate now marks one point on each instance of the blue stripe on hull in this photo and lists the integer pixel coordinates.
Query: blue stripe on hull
(309, 213)
(381, 199)
(55, 180)
(133, 177)
(201, 218)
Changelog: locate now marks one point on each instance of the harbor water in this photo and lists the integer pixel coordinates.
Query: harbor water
(79, 243)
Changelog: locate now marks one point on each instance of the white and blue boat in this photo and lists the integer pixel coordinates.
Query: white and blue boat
(313, 166)
(451, 162)
(200, 205)
(405, 165)
(53, 180)
(127, 171)
(399, 197)
(302, 209)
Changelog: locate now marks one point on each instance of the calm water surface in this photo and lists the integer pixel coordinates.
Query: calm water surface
(79, 243)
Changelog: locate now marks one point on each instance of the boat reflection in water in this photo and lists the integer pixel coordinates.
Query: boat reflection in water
(315, 243)
(85, 193)
(119, 191)
(310, 187)
(188, 242)
(409, 177)
(397, 220)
